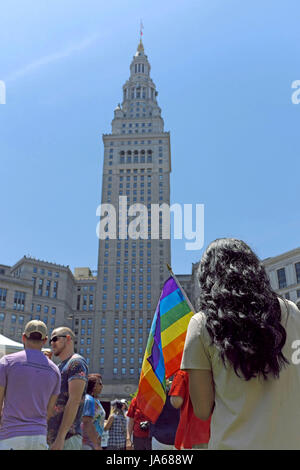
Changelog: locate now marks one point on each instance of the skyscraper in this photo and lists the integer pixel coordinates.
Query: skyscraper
(131, 271)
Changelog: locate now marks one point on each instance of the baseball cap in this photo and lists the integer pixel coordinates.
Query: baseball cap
(36, 326)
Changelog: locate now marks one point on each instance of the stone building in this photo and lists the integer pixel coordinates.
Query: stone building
(36, 289)
(132, 265)
(284, 273)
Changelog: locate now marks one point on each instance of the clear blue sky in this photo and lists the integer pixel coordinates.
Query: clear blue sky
(223, 70)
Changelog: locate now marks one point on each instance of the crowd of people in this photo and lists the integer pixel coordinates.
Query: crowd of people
(45, 406)
(237, 388)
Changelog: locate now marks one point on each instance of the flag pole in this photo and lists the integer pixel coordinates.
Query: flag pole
(180, 287)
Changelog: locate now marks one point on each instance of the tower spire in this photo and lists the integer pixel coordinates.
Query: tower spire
(141, 46)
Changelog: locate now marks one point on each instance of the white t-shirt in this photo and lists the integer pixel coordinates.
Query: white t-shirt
(254, 414)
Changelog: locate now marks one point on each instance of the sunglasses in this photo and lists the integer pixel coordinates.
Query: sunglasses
(55, 338)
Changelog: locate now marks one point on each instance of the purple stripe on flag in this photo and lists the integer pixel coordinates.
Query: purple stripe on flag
(155, 353)
(169, 287)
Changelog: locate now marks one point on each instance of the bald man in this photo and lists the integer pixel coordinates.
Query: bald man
(64, 431)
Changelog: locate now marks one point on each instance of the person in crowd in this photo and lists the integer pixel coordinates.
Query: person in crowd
(29, 387)
(239, 353)
(163, 431)
(192, 432)
(116, 425)
(64, 432)
(104, 437)
(138, 428)
(93, 415)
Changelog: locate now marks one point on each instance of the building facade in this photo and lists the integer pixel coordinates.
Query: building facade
(284, 274)
(132, 264)
(36, 289)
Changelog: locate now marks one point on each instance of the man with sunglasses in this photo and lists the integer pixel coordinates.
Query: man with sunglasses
(64, 432)
(29, 386)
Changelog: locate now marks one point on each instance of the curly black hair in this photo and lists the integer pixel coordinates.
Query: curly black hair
(242, 311)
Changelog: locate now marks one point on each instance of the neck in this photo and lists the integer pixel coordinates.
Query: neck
(66, 353)
(32, 346)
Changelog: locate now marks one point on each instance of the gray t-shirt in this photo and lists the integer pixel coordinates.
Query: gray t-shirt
(75, 367)
(30, 379)
(253, 414)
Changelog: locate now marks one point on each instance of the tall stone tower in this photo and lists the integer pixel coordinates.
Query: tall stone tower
(131, 271)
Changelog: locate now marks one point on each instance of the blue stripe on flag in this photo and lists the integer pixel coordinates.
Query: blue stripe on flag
(171, 301)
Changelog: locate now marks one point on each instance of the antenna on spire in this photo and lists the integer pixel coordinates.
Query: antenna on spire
(141, 29)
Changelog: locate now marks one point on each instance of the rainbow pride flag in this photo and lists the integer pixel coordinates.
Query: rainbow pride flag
(164, 348)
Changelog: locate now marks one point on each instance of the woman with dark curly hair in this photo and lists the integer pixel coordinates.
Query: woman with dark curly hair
(238, 353)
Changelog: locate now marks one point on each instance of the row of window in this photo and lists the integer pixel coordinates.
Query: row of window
(125, 296)
(46, 309)
(133, 270)
(137, 124)
(86, 288)
(45, 287)
(128, 192)
(135, 142)
(20, 319)
(44, 271)
(140, 68)
(123, 370)
(83, 303)
(133, 244)
(135, 159)
(133, 321)
(136, 131)
(139, 92)
(125, 306)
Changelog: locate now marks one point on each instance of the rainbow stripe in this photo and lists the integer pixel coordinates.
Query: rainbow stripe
(164, 349)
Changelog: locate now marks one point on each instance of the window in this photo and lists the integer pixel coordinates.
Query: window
(3, 293)
(281, 278)
(40, 289)
(297, 268)
(55, 287)
(19, 300)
